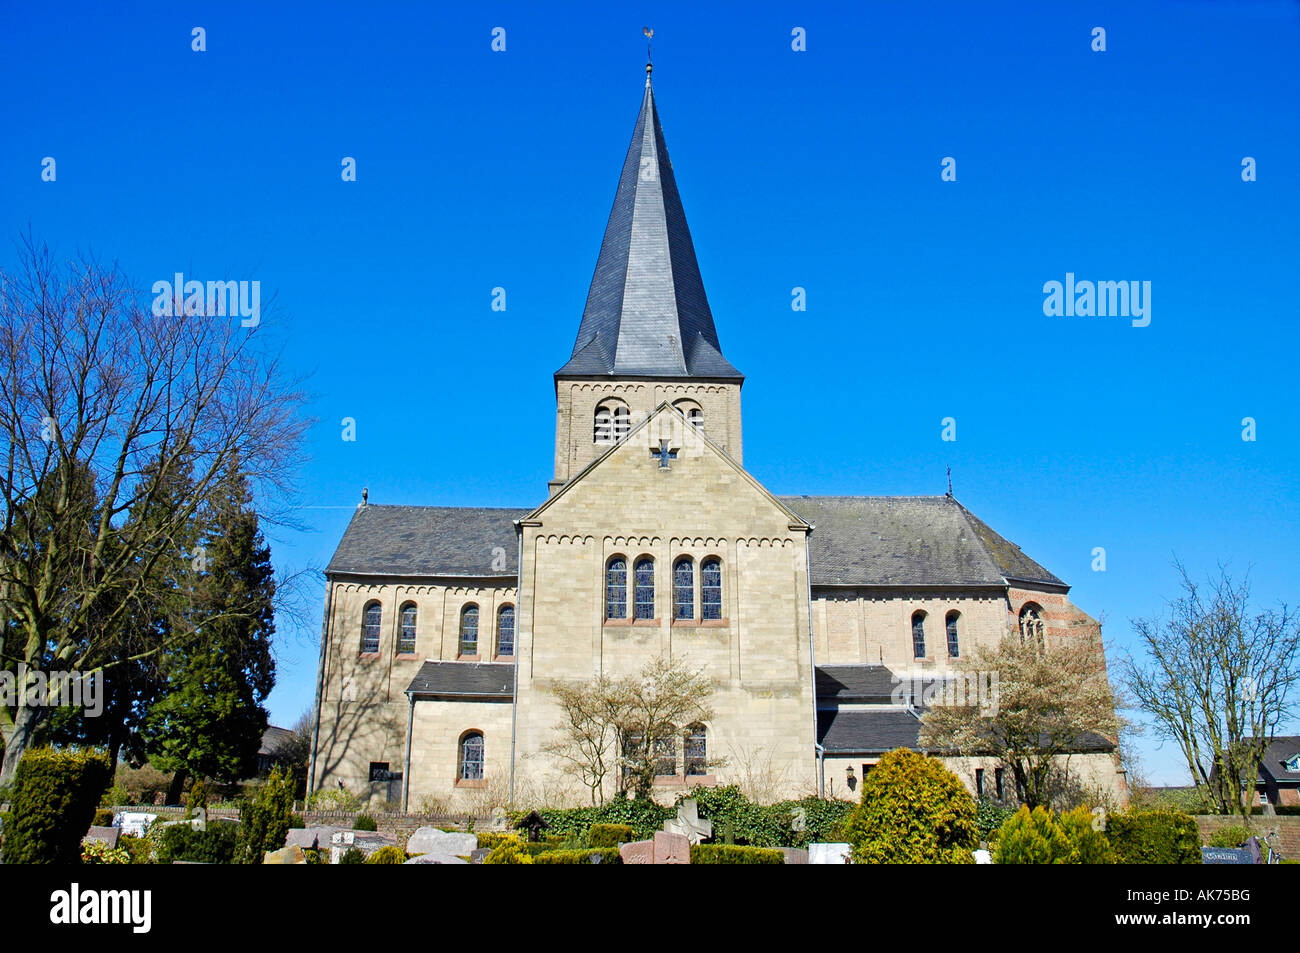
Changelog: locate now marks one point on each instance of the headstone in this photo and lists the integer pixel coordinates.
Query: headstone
(671, 848)
(982, 857)
(107, 836)
(365, 841)
(688, 822)
(1225, 855)
(134, 823)
(479, 854)
(637, 852)
(310, 838)
(431, 840)
(795, 855)
(285, 855)
(534, 823)
(829, 854)
(438, 859)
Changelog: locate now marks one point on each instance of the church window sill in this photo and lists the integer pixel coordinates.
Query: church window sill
(407, 657)
(465, 783)
(701, 623)
(367, 656)
(469, 658)
(690, 781)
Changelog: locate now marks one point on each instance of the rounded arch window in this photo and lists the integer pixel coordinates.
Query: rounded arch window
(470, 767)
(918, 635)
(469, 630)
(1031, 623)
(616, 588)
(506, 632)
(406, 637)
(371, 617)
(950, 624)
(612, 422)
(684, 588)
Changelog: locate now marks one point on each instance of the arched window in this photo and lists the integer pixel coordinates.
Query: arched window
(406, 641)
(612, 423)
(616, 588)
(954, 647)
(697, 751)
(711, 589)
(694, 415)
(684, 589)
(469, 630)
(918, 635)
(604, 430)
(645, 588)
(622, 423)
(1031, 624)
(471, 756)
(371, 616)
(506, 632)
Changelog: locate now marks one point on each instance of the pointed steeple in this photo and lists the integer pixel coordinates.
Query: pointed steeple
(646, 313)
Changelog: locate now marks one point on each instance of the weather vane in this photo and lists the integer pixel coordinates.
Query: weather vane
(649, 35)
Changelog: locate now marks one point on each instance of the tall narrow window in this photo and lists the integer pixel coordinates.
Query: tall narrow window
(622, 423)
(954, 647)
(370, 619)
(979, 782)
(645, 588)
(469, 630)
(506, 632)
(406, 642)
(697, 751)
(604, 429)
(695, 417)
(918, 635)
(471, 756)
(999, 791)
(711, 589)
(1031, 624)
(684, 589)
(633, 743)
(616, 588)
(665, 757)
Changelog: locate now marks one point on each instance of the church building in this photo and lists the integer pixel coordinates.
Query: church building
(816, 618)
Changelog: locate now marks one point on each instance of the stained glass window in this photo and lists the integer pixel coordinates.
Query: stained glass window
(506, 631)
(954, 648)
(471, 757)
(645, 588)
(616, 588)
(711, 589)
(469, 630)
(684, 589)
(370, 619)
(406, 642)
(918, 635)
(697, 754)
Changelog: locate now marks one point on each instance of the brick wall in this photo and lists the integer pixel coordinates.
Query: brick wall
(1287, 828)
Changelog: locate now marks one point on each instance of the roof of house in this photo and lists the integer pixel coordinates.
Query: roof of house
(275, 740)
(909, 541)
(429, 541)
(476, 679)
(913, 541)
(1279, 751)
(646, 313)
(858, 684)
(871, 731)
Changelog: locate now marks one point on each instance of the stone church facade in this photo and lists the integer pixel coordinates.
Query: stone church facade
(816, 618)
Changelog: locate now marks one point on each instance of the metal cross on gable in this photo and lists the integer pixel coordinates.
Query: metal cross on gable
(664, 454)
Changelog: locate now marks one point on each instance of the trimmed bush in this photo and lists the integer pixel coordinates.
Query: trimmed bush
(139, 848)
(1033, 837)
(610, 835)
(509, 850)
(353, 855)
(734, 854)
(216, 845)
(1154, 837)
(990, 815)
(387, 855)
(913, 811)
(364, 822)
(54, 801)
(489, 839)
(607, 855)
(264, 820)
(1233, 836)
(1092, 845)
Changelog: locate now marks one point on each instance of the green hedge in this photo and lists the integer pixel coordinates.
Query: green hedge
(216, 845)
(54, 801)
(734, 854)
(387, 855)
(1154, 837)
(610, 835)
(608, 855)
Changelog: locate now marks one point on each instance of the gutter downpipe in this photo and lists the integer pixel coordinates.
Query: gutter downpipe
(406, 769)
(320, 683)
(812, 658)
(514, 698)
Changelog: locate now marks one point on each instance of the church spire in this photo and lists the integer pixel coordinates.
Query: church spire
(646, 313)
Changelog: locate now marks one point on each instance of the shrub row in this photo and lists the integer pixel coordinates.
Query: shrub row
(734, 854)
(607, 855)
(54, 800)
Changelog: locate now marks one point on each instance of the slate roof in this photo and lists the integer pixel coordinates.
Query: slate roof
(429, 541)
(479, 679)
(909, 541)
(275, 740)
(878, 730)
(857, 684)
(646, 313)
(1280, 750)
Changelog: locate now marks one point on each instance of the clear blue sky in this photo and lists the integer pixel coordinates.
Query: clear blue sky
(818, 169)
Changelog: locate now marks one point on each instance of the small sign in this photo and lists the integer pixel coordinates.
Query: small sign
(1226, 855)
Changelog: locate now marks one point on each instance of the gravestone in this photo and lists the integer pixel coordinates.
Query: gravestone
(688, 822)
(365, 841)
(479, 854)
(534, 823)
(285, 855)
(310, 838)
(671, 848)
(982, 857)
(431, 840)
(438, 859)
(829, 854)
(107, 836)
(134, 823)
(637, 852)
(795, 855)
(1226, 855)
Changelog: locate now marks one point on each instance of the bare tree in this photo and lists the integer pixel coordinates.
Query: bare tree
(1218, 680)
(1046, 699)
(630, 724)
(104, 408)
